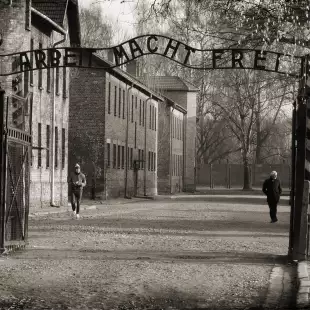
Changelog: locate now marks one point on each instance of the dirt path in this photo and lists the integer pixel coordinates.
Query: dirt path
(148, 256)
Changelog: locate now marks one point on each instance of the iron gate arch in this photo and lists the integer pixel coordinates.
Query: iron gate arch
(15, 212)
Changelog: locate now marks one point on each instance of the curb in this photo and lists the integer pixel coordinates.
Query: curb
(64, 210)
(302, 299)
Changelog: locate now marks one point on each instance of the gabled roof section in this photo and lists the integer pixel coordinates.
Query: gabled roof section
(172, 83)
(54, 9)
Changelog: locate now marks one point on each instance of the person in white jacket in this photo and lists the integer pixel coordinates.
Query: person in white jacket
(77, 182)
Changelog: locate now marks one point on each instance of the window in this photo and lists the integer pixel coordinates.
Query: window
(115, 100)
(154, 161)
(136, 102)
(108, 155)
(181, 129)
(48, 75)
(118, 157)
(109, 98)
(119, 102)
(48, 136)
(124, 104)
(114, 155)
(131, 158)
(31, 61)
(139, 157)
(64, 79)
(63, 148)
(149, 161)
(56, 147)
(132, 98)
(135, 135)
(123, 157)
(128, 158)
(155, 118)
(142, 158)
(150, 116)
(40, 70)
(172, 126)
(39, 145)
(143, 113)
(28, 16)
(57, 80)
(26, 83)
(140, 112)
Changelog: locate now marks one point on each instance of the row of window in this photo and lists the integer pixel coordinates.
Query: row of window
(177, 164)
(29, 76)
(177, 128)
(48, 145)
(116, 158)
(120, 107)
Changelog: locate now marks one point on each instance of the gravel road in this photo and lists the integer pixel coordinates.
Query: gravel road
(154, 255)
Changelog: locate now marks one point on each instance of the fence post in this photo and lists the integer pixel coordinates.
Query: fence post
(301, 232)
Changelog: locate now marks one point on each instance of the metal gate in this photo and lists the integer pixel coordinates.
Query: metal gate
(15, 182)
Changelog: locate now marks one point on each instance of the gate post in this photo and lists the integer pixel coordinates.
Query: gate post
(2, 171)
(292, 181)
(300, 251)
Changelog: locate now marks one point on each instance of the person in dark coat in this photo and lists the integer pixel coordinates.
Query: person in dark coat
(77, 181)
(272, 189)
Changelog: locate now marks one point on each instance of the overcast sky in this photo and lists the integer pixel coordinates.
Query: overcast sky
(120, 13)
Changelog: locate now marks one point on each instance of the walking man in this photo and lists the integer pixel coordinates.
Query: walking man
(272, 189)
(77, 181)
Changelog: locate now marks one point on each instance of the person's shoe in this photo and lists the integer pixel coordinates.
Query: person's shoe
(77, 216)
(73, 214)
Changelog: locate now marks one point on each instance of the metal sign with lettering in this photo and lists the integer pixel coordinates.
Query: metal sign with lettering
(175, 50)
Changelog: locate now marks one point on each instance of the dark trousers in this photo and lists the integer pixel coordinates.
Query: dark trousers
(76, 197)
(273, 210)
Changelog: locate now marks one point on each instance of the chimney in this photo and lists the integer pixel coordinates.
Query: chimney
(132, 68)
(110, 56)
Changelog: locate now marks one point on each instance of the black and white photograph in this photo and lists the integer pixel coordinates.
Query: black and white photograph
(154, 154)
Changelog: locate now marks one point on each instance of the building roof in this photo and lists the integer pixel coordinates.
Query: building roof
(54, 9)
(172, 83)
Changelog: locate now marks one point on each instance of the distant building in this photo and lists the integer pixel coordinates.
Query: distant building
(113, 128)
(112, 112)
(37, 24)
(183, 95)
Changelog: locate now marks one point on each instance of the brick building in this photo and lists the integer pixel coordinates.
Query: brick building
(36, 24)
(113, 116)
(182, 96)
(112, 112)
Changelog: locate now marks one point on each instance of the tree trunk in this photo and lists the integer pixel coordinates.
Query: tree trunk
(246, 175)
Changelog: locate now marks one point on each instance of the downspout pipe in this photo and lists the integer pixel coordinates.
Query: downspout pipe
(53, 127)
(171, 141)
(145, 139)
(126, 148)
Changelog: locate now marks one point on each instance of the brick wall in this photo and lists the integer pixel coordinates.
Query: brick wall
(15, 39)
(86, 124)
